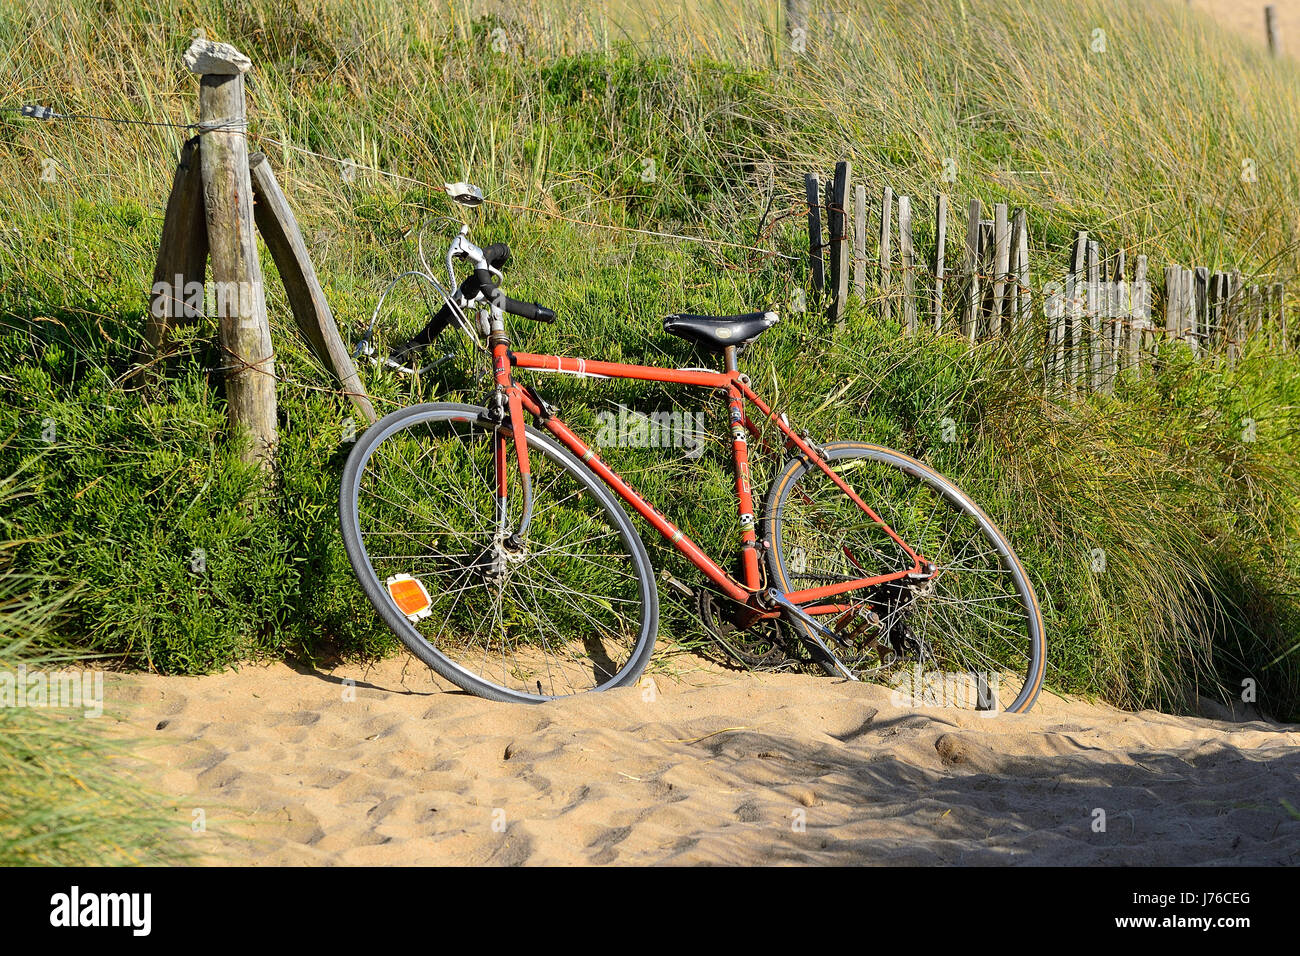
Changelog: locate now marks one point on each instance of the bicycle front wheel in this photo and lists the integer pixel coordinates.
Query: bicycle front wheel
(568, 605)
(968, 634)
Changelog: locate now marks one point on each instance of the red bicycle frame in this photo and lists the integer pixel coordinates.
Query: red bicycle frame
(736, 386)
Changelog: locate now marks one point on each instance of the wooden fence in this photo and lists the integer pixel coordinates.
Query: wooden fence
(1096, 321)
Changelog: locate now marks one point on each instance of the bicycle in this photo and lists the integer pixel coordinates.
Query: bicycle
(499, 553)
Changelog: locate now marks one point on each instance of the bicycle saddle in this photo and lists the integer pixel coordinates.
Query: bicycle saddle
(718, 331)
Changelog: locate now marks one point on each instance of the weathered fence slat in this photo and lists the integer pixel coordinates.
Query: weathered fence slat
(1020, 268)
(1094, 314)
(1076, 290)
(886, 249)
(816, 250)
(1001, 267)
(907, 261)
(837, 195)
(972, 265)
(1277, 295)
(984, 322)
(940, 240)
(860, 241)
(1117, 289)
(1140, 322)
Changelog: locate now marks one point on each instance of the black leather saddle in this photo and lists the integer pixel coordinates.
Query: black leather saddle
(718, 331)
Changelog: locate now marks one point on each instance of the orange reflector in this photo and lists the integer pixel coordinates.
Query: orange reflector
(409, 595)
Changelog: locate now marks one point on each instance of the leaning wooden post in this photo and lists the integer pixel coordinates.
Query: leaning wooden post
(311, 310)
(837, 194)
(1213, 310)
(245, 335)
(816, 250)
(940, 240)
(1273, 31)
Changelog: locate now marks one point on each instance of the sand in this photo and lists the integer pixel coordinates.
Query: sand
(297, 766)
(1247, 17)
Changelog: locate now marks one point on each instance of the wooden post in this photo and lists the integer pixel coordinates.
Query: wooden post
(228, 200)
(311, 310)
(1001, 267)
(940, 240)
(836, 195)
(907, 259)
(1274, 32)
(972, 268)
(182, 253)
(816, 250)
(860, 241)
(886, 250)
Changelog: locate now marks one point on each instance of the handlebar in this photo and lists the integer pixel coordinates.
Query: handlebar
(483, 280)
(497, 256)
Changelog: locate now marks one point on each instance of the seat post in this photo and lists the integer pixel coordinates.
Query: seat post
(729, 358)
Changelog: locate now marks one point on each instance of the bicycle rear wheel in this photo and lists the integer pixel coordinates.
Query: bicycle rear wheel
(571, 605)
(969, 635)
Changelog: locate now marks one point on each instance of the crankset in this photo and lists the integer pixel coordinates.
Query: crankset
(759, 647)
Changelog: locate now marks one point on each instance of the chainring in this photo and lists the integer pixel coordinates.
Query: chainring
(760, 647)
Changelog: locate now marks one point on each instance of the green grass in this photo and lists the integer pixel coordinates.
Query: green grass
(1196, 522)
(64, 800)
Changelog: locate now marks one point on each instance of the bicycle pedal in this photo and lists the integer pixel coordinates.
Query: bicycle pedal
(681, 587)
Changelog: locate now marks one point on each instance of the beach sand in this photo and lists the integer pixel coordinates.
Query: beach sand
(298, 766)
